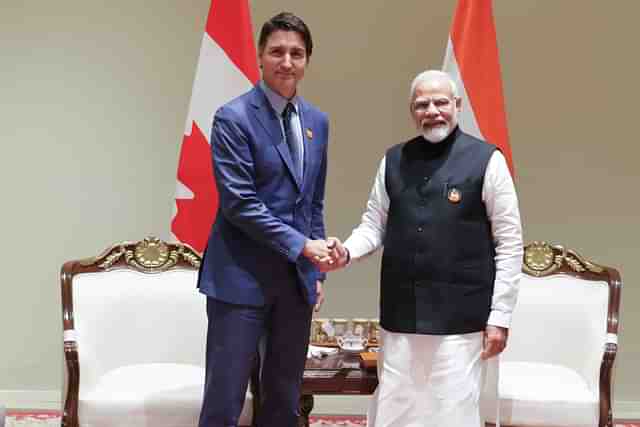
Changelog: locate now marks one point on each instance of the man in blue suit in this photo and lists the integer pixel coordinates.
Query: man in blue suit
(259, 271)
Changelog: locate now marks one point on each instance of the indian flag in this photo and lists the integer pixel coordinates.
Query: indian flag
(472, 60)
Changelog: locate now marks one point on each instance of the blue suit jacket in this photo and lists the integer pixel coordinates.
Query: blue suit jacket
(265, 215)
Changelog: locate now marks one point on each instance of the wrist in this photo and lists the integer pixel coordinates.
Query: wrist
(346, 258)
(305, 247)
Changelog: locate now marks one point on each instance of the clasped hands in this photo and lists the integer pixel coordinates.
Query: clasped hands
(327, 255)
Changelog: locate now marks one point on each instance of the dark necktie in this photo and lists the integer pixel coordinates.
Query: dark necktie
(292, 140)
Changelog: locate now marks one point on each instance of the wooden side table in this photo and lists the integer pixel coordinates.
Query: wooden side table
(337, 374)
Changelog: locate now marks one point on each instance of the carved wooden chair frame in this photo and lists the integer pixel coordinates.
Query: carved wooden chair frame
(150, 256)
(543, 259)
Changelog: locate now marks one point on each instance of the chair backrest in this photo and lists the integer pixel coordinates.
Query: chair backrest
(136, 303)
(567, 311)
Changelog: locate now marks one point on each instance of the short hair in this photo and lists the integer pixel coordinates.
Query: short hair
(432, 75)
(286, 21)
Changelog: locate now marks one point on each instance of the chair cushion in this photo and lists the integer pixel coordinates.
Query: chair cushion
(535, 394)
(560, 320)
(149, 395)
(114, 310)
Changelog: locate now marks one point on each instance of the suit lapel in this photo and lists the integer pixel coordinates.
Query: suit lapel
(306, 123)
(265, 115)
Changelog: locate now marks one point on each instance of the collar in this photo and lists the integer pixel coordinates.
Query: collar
(437, 148)
(277, 101)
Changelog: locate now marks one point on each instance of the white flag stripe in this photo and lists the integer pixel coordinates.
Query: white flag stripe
(217, 81)
(467, 120)
(182, 191)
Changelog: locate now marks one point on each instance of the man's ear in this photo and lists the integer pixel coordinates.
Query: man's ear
(458, 102)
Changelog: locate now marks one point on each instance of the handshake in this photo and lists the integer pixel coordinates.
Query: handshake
(327, 255)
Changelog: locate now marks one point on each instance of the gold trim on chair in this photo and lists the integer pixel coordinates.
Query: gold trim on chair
(150, 255)
(542, 259)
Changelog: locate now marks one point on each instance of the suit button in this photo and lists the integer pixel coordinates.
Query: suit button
(420, 229)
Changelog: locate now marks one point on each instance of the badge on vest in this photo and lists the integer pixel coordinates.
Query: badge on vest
(309, 133)
(454, 195)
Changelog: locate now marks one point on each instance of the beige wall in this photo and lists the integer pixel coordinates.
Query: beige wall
(94, 97)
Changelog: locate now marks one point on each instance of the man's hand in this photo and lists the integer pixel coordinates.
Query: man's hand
(318, 252)
(338, 257)
(494, 341)
(319, 296)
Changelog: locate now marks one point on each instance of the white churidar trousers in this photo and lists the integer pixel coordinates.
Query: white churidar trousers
(428, 380)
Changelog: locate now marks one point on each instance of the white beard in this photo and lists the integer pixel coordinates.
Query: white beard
(437, 133)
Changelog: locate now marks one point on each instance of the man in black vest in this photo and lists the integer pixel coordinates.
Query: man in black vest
(445, 209)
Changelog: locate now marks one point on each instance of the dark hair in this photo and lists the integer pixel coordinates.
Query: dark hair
(286, 21)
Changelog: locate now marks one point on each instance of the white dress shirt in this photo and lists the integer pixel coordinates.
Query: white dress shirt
(501, 203)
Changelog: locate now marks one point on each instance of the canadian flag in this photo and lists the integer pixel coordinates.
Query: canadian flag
(472, 60)
(227, 67)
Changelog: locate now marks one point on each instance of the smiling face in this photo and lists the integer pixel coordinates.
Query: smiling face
(435, 109)
(283, 60)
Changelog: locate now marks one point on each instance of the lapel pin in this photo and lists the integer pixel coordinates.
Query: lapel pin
(309, 133)
(454, 195)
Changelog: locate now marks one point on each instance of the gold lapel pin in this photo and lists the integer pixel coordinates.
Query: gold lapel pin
(309, 133)
(454, 195)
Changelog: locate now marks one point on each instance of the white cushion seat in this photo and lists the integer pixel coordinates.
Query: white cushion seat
(544, 394)
(154, 394)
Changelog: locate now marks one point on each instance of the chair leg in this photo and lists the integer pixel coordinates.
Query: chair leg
(306, 406)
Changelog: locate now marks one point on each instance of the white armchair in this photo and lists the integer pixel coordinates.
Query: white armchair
(556, 369)
(134, 338)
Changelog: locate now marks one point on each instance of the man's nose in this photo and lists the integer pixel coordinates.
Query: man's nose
(432, 110)
(286, 61)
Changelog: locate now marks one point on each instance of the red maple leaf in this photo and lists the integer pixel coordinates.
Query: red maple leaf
(194, 218)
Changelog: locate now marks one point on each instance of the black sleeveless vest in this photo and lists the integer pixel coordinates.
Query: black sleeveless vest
(438, 265)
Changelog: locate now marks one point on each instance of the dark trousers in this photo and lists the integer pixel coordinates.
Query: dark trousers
(233, 334)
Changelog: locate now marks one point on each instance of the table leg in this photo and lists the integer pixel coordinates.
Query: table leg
(306, 406)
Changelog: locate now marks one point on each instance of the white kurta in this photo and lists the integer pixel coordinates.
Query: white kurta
(428, 380)
(419, 397)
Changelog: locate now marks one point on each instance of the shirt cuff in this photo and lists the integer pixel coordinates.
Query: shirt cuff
(350, 251)
(297, 247)
(499, 318)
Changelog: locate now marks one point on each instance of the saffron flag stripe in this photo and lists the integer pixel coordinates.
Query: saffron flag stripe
(474, 48)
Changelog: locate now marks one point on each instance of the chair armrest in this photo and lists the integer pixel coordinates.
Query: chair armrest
(606, 367)
(69, 335)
